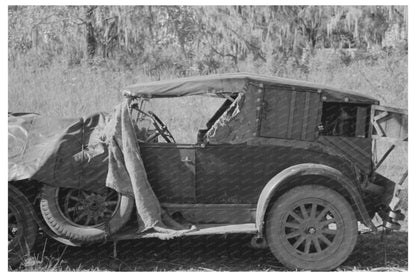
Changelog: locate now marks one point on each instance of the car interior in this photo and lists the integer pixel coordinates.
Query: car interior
(345, 119)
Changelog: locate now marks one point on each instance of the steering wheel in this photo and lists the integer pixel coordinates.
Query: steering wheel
(161, 128)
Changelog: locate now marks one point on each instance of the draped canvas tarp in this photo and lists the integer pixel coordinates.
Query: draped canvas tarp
(58, 152)
(127, 174)
(88, 153)
(34, 142)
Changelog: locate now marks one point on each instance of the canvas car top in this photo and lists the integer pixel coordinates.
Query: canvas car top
(232, 83)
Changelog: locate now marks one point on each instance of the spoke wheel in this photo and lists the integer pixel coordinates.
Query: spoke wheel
(15, 226)
(84, 216)
(311, 228)
(22, 229)
(85, 208)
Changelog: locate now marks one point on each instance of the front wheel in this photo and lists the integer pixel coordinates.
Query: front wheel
(311, 228)
(82, 215)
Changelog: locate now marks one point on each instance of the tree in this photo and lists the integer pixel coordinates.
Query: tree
(199, 39)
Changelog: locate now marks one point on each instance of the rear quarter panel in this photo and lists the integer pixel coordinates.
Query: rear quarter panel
(238, 173)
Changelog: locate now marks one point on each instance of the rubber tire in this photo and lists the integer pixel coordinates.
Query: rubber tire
(20, 249)
(279, 209)
(63, 228)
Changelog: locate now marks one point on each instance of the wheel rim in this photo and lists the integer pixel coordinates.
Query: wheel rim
(15, 226)
(312, 229)
(86, 208)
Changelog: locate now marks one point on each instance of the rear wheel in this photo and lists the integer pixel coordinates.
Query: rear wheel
(82, 215)
(311, 228)
(22, 228)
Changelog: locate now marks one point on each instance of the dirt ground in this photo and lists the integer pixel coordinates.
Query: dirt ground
(374, 252)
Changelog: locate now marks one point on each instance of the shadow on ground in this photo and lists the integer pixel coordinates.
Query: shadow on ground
(206, 253)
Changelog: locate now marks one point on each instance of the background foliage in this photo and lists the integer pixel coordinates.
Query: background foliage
(188, 40)
(66, 61)
(99, 49)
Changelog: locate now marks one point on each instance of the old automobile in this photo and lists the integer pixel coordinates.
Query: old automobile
(289, 162)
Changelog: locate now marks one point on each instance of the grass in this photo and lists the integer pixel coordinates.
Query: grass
(207, 253)
(64, 91)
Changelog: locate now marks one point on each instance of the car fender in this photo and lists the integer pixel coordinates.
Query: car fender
(281, 178)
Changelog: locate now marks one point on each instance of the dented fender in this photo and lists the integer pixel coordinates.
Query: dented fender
(277, 182)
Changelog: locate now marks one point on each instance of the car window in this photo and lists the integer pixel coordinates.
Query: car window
(184, 116)
(345, 119)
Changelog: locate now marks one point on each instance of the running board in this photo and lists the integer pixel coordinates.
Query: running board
(202, 229)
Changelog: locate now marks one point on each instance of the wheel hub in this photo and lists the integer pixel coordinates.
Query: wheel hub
(85, 208)
(310, 228)
(94, 204)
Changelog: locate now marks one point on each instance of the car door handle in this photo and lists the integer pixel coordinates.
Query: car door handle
(186, 160)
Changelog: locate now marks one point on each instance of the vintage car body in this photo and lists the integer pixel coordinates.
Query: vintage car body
(270, 136)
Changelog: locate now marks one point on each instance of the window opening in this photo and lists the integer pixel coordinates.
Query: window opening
(345, 119)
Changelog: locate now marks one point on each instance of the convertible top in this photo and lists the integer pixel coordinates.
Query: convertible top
(218, 85)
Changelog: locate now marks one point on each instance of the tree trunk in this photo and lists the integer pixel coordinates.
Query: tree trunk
(91, 40)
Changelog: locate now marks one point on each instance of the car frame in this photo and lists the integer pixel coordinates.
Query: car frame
(287, 161)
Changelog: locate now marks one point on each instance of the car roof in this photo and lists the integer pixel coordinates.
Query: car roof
(221, 84)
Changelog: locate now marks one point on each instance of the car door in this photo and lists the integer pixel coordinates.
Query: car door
(231, 174)
(170, 170)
